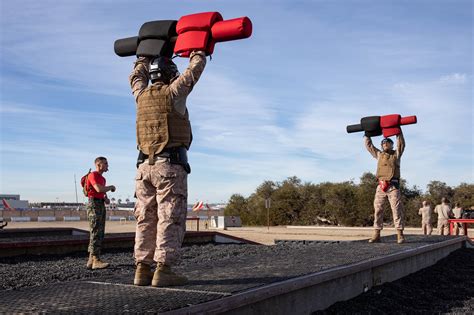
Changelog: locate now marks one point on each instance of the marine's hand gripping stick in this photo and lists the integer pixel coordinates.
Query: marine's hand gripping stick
(200, 31)
(388, 125)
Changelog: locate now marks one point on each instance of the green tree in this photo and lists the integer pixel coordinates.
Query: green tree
(287, 202)
(411, 201)
(464, 194)
(311, 197)
(365, 200)
(438, 190)
(236, 206)
(336, 203)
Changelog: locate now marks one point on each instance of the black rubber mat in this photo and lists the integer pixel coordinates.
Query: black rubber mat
(86, 297)
(213, 271)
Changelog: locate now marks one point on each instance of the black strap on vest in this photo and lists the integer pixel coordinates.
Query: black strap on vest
(176, 155)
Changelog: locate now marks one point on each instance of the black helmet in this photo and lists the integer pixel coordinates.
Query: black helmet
(163, 69)
(386, 140)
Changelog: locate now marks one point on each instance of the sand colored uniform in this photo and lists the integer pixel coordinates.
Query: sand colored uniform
(426, 226)
(393, 192)
(444, 213)
(457, 212)
(161, 188)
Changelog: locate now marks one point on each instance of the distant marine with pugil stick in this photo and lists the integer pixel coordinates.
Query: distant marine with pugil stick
(388, 166)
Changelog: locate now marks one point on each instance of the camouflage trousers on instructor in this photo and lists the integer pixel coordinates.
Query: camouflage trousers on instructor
(394, 198)
(160, 210)
(96, 216)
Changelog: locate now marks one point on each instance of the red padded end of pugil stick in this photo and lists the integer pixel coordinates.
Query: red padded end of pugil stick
(408, 120)
(388, 121)
(233, 29)
(197, 22)
(191, 40)
(388, 132)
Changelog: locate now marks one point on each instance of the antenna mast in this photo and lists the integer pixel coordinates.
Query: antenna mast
(75, 185)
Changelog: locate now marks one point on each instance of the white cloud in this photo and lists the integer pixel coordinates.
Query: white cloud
(455, 78)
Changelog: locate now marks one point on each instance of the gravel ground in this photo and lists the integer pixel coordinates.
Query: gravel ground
(444, 288)
(231, 268)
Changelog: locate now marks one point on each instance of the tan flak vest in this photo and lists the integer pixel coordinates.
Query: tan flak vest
(159, 125)
(388, 166)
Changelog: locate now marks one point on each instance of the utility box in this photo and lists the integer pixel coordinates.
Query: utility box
(223, 222)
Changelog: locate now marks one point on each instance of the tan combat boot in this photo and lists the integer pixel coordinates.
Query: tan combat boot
(97, 263)
(143, 274)
(400, 237)
(89, 262)
(376, 237)
(164, 277)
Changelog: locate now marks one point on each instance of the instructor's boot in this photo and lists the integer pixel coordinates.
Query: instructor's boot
(89, 262)
(98, 264)
(143, 274)
(164, 277)
(376, 237)
(400, 237)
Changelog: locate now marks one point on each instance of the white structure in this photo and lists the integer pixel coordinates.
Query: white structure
(71, 218)
(223, 222)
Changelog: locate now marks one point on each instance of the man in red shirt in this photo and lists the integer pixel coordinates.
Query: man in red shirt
(96, 212)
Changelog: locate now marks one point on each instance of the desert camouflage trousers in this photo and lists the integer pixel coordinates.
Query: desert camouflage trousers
(443, 227)
(96, 214)
(161, 190)
(427, 228)
(394, 198)
(458, 229)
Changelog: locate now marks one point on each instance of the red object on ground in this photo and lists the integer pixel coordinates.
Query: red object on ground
(95, 178)
(201, 31)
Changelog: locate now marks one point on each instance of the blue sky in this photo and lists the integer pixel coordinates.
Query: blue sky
(268, 107)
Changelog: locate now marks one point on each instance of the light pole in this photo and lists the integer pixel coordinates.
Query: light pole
(75, 185)
(268, 204)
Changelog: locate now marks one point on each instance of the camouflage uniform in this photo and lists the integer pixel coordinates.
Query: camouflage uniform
(161, 188)
(160, 211)
(426, 226)
(444, 213)
(393, 193)
(96, 214)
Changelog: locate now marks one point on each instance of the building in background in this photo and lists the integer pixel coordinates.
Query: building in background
(12, 202)
(60, 205)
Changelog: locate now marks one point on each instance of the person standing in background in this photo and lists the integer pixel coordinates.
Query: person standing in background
(425, 213)
(96, 212)
(444, 213)
(458, 212)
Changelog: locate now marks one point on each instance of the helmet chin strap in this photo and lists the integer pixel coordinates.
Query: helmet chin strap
(164, 70)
